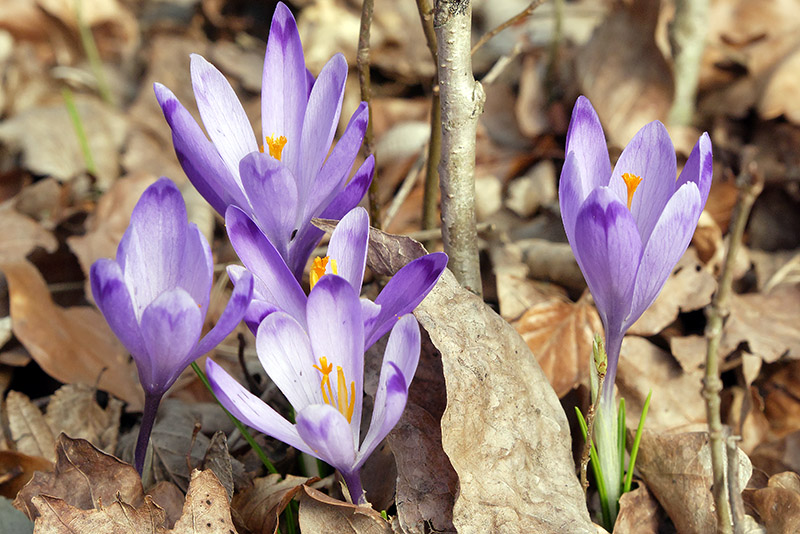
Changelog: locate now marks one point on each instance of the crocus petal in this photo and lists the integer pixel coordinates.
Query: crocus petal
(320, 122)
(251, 410)
(170, 326)
(112, 297)
(222, 113)
(336, 330)
(272, 191)
(608, 249)
(258, 309)
(284, 85)
(327, 433)
(369, 312)
(405, 291)
(650, 156)
(668, 242)
(152, 257)
(570, 194)
(353, 192)
(197, 269)
(348, 246)
(334, 173)
(198, 156)
(586, 140)
(285, 352)
(277, 284)
(699, 168)
(399, 365)
(230, 318)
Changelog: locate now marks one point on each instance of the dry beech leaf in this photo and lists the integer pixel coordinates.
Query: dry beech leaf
(29, 430)
(779, 96)
(677, 471)
(781, 391)
(639, 513)
(259, 507)
(560, 334)
(628, 80)
(16, 469)
(21, 235)
(83, 476)
(513, 459)
(688, 288)
(779, 455)
(206, 509)
(73, 409)
(769, 323)
(677, 402)
(321, 513)
(73, 345)
(778, 505)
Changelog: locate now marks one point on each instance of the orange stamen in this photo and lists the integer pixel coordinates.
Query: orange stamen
(275, 144)
(632, 181)
(318, 269)
(344, 403)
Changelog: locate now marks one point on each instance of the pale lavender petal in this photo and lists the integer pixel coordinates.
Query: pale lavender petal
(348, 246)
(353, 192)
(336, 330)
(284, 85)
(328, 435)
(170, 327)
(668, 242)
(277, 284)
(230, 318)
(320, 122)
(258, 308)
(251, 410)
(586, 140)
(153, 253)
(114, 301)
(334, 173)
(222, 113)
(405, 291)
(699, 168)
(399, 365)
(198, 156)
(197, 270)
(650, 156)
(272, 191)
(285, 352)
(608, 249)
(369, 312)
(570, 195)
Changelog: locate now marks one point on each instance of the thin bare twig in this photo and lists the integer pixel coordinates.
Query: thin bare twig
(362, 63)
(462, 101)
(751, 185)
(519, 17)
(687, 37)
(735, 492)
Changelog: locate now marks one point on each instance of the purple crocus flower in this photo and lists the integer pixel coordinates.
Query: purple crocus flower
(628, 227)
(155, 296)
(282, 179)
(276, 289)
(320, 370)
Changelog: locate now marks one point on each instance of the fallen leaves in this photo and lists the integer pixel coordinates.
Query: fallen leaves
(321, 513)
(258, 507)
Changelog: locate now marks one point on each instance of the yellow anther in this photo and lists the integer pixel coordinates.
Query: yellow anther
(632, 181)
(318, 269)
(345, 403)
(275, 144)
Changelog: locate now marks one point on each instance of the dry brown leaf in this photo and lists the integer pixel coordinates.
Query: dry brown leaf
(552, 261)
(16, 469)
(73, 409)
(779, 96)
(779, 455)
(688, 288)
(21, 235)
(513, 459)
(560, 334)
(778, 505)
(321, 513)
(259, 507)
(676, 403)
(780, 387)
(29, 429)
(769, 323)
(639, 513)
(73, 345)
(83, 477)
(628, 80)
(206, 509)
(677, 470)
(113, 24)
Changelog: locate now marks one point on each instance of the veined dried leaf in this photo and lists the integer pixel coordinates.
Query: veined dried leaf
(74, 411)
(321, 513)
(21, 235)
(259, 507)
(769, 323)
(29, 429)
(639, 513)
(560, 334)
(16, 469)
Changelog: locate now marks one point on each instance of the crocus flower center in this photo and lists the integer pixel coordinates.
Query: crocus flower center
(318, 269)
(343, 403)
(631, 182)
(275, 144)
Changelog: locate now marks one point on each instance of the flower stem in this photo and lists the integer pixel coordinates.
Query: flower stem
(151, 403)
(353, 482)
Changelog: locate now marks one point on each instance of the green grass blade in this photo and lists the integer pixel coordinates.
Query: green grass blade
(596, 469)
(635, 448)
(77, 123)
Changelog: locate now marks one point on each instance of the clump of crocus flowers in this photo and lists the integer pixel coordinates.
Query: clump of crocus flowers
(628, 227)
(156, 293)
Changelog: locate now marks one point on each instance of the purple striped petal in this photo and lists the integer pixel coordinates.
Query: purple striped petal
(197, 268)
(405, 291)
(258, 309)
(353, 192)
(251, 410)
(328, 434)
(699, 168)
(114, 301)
(586, 140)
(222, 113)
(608, 249)
(399, 365)
(230, 318)
(348, 246)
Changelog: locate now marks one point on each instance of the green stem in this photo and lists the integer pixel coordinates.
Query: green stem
(77, 123)
(93, 55)
(596, 469)
(635, 448)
